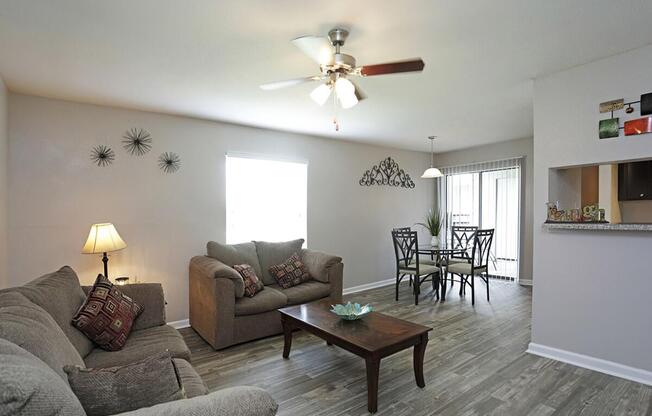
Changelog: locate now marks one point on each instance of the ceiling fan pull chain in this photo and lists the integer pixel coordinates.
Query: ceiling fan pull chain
(335, 122)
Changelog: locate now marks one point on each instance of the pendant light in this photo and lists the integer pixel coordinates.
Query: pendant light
(432, 172)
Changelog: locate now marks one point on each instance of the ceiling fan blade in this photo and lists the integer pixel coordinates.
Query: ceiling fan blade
(413, 65)
(288, 83)
(318, 48)
(359, 94)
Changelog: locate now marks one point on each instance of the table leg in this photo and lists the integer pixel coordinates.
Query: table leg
(442, 280)
(287, 335)
(373, 369)
(419, 353)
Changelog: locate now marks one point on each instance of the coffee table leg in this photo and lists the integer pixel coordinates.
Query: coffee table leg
(287, 335)
(419, 352)
(373, 368)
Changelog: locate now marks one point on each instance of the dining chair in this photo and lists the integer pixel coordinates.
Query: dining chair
(478, 266)
(406, 250)
(461, 237)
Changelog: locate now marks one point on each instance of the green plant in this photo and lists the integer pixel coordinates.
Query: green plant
(433, 222)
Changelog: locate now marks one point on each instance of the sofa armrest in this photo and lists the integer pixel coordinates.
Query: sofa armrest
(319, 263)
(234, 401)
(211, 301)
(150, 297)
(211, 267)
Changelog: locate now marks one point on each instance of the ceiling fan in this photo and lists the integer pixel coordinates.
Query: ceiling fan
(337, 68)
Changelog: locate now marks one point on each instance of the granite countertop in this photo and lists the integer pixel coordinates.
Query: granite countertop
(579, 226)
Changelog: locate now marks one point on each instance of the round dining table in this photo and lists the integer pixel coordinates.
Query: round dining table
(442, 253)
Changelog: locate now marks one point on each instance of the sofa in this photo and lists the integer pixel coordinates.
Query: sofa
(37, 340)
(223, 316)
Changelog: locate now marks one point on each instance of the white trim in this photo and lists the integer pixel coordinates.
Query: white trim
(184, 323)
(367, 286)
(525, 282)
(597, 364)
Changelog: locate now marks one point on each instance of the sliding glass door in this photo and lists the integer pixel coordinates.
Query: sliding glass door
(488, 199)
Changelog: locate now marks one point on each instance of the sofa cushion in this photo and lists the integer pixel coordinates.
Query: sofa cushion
(107, 315)
(31, 327)
(290, 273)
(267, 300)
(252, 284)
(29, 387)
(270, 254)
(232, 254)
(192, 384)
(113, 390)
(61, 295)
(305, 292)
(141, 344)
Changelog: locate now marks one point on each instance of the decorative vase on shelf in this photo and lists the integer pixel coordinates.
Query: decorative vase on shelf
(434, 241)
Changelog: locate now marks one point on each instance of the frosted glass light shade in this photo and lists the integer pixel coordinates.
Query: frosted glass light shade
(103, 238)
(345, 93)
(321, 94)
(431, 173)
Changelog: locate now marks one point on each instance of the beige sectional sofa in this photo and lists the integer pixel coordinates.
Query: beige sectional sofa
(37, 340)
(223, 316)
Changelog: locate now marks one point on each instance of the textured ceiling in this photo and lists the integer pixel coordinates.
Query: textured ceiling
(206, 58)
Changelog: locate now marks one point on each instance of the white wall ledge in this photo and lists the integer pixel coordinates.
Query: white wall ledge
(565, 226)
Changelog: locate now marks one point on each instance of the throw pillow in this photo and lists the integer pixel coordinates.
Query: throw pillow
(107, 315)
(252, 284)
(113, 390)
(290, 273)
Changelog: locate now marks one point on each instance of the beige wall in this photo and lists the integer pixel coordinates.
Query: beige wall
(56, 193)
(591, 289)
(4, 150)
(497, 151)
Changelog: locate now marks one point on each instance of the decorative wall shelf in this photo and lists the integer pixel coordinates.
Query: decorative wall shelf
(595, 227)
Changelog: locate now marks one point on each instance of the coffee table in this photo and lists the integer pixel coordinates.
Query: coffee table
(373, 338)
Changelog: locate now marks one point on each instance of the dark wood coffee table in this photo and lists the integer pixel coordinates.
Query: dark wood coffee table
(373, 338)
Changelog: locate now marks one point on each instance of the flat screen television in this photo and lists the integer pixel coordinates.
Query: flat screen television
(635, 181)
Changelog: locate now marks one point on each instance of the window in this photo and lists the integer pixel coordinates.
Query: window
(265, 200)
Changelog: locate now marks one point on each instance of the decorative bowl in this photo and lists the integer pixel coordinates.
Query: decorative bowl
(351, 312)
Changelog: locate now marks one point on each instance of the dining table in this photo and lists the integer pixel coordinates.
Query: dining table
(442, 253)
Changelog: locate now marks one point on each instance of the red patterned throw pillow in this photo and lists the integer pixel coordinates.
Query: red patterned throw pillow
(252, 283)
(107, 315)
(290, 273)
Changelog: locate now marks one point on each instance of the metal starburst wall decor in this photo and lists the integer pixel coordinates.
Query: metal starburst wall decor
(137, 141)
(102, 155)
(388, 173)
(169, 162)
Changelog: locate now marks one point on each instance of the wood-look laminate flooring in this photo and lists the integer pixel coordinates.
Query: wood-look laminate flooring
(475, 364)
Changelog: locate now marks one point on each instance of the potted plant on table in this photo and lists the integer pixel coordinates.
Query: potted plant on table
(433, 225)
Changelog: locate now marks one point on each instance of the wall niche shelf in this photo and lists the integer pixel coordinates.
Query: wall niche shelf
(579, 226)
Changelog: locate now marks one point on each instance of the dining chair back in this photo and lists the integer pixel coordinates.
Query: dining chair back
(462, 236)
(481, 249)
(405, 249)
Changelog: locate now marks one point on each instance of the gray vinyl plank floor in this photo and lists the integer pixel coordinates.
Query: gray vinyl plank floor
(475, 364)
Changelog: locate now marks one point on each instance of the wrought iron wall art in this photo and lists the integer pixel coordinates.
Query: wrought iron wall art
(169, 162)
(137, 141)
(387, 172)
(102, 155)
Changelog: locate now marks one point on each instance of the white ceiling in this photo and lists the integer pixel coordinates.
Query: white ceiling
(206, 58)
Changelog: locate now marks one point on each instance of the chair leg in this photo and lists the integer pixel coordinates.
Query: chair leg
(462, 284)
(472, 277)
(487, 281)
(410, 284)
(397, 282)
(417, 285)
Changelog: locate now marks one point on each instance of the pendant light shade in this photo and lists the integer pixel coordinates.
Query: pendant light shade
(432, 172)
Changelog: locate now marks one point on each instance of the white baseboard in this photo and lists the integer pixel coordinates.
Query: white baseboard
(525, 282)
(367, 286)
(597, 364)
(184, 323)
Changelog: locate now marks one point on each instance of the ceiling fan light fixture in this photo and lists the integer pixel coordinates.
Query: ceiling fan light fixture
(345, 91)
(320, 94)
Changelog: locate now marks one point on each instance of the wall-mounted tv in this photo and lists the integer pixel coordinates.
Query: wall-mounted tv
(635, 181)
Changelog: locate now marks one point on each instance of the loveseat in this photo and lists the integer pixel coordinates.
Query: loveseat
(220, 312)
(37, 340)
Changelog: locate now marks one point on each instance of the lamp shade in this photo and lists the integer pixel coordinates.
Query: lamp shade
(345, 92)
(321, 94)
(431, 173)
(103, 238)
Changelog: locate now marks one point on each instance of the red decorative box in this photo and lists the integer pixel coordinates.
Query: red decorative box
(638, 126)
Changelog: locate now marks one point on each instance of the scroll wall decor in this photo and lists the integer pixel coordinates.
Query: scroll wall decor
(387, 172)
